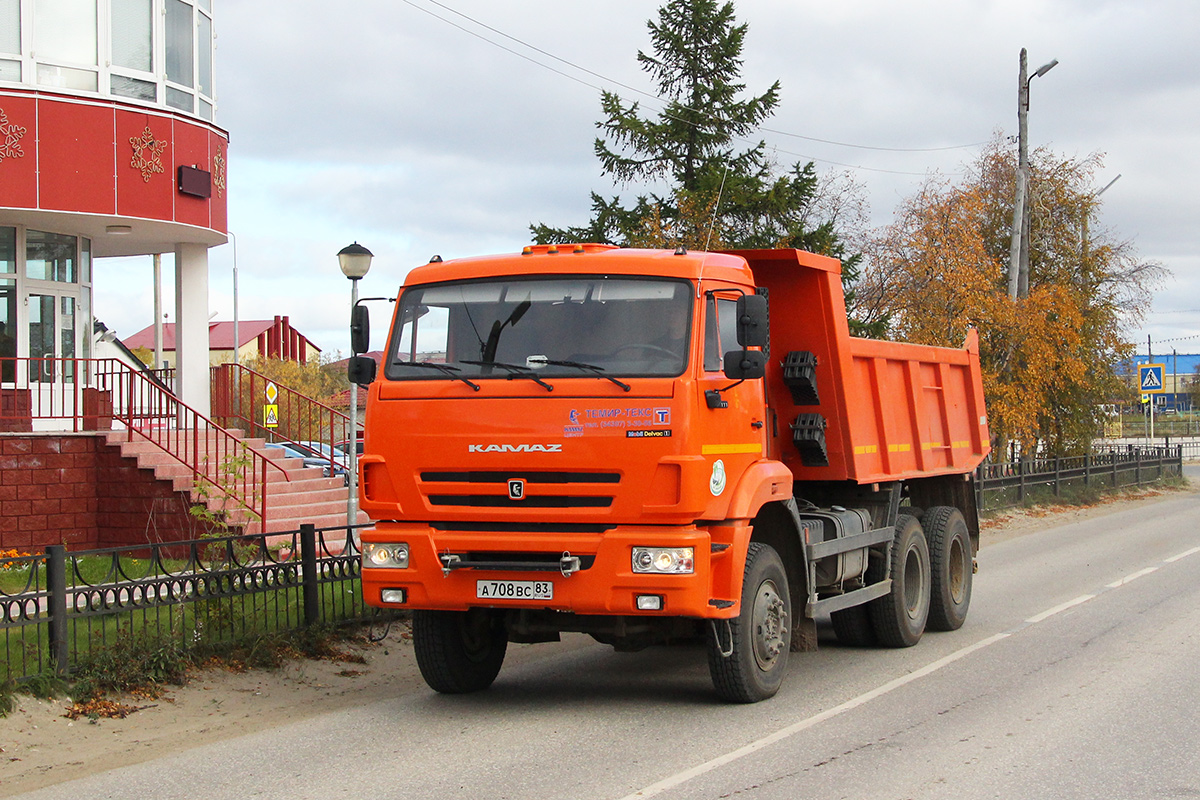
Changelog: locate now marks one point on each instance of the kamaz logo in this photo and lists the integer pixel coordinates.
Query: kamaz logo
(514, 448)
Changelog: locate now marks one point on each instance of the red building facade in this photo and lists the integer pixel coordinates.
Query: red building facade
(107, 148)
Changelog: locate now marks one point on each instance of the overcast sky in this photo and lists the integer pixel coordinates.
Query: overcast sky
(410, 127)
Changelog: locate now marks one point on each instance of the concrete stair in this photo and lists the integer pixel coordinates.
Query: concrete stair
(295, 494)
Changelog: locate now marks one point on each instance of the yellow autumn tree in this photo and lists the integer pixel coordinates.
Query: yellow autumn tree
(1049, 358)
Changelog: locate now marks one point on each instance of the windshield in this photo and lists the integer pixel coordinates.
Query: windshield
(538, 328)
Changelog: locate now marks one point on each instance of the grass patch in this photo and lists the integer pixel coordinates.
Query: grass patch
(135, 668)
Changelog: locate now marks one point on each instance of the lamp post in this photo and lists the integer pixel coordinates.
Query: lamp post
(1018, 254)
(237, 342)
(355, 261)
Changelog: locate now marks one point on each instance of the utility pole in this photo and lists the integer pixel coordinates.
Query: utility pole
(1018, 254)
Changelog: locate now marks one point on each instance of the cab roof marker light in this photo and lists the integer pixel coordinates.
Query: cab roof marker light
(578, 249)
(526, 250)
(552, 250)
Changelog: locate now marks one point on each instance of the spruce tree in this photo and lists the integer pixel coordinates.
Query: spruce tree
(723, 189)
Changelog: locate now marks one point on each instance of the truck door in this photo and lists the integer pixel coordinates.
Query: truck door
(733, 415)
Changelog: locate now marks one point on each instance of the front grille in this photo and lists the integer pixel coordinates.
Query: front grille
(528, 477)
(520, 527)
(529, 501)
(542, 489)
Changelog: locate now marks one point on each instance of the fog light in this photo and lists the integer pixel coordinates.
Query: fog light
(393, 555)
(667, 560)
(392, 595)
(649, 602)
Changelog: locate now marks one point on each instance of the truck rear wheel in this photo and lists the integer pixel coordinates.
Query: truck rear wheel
(899, 618)
(758, 640)
(951, 565)
(459, 651)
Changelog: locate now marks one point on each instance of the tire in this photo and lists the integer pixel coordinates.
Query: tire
(899, 618)
(759, 637)
(459, 651)
(853, 626)
(951, 563)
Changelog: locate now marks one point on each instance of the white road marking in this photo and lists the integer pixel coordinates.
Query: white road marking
(680, 778)
(1132, 578)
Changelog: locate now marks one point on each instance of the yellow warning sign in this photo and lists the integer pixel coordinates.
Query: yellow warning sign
(271, 415)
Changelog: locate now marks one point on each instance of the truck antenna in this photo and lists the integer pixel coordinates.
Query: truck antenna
(711, 225)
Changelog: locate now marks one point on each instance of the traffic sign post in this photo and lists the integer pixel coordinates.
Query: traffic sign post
(270, 409)
(1150, 382)
(1150, 378)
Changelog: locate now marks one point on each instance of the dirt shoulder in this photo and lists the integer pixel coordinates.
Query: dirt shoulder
(218, 704)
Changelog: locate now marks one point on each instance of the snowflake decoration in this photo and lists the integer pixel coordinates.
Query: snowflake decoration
(147, 154)
(11, 133)
(219, 173)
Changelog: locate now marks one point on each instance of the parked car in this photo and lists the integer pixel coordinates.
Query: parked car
(331, 457)
(314, 457)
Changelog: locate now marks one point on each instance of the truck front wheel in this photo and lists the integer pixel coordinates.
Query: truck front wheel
(899, 617)
(951, 562)
(459, 651)
(748, 655)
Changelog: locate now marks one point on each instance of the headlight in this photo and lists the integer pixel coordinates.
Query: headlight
(668, 560)
(385, 555)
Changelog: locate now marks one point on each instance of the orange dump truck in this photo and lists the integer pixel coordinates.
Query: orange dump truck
(661, 446)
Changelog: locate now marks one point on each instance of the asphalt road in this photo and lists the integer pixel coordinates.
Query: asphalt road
(1074, 677)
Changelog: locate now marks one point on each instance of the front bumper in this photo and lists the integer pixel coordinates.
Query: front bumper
(605, 585)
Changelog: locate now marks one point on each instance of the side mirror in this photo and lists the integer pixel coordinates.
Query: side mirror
(361, 370)
(360, 331)
(745, 365)
(752, 329)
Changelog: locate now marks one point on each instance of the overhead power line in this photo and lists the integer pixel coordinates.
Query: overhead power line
(665, 104)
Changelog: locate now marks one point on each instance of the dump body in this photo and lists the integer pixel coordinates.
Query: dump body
(888, 410)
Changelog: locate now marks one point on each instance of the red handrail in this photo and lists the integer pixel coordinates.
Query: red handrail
(96, 393)
(239, 400)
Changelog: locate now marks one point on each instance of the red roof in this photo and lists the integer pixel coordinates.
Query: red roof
(220, 335)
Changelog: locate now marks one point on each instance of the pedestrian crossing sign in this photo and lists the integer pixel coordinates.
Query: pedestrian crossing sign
(1150, 378)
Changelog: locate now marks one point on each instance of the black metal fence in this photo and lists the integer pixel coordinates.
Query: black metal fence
(1016, 482)
(61, 609)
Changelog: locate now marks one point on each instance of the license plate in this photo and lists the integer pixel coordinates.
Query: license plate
(514, 590)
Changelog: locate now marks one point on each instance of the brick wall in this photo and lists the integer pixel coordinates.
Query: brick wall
(76, 490)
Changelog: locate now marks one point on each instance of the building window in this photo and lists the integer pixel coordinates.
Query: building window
(65, 31)
(10, 26)
(132, 39)
(8, 249)
(8, 329)
(180, 38)
(151, 51)
(50, 257)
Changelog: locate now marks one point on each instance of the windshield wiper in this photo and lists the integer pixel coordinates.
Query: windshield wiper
(444, 368)
(514, 371)
(598, 371)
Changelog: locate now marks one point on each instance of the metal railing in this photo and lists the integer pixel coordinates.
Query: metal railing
(1013, 483)
(73, 607)
(239, 400)
(103, 394)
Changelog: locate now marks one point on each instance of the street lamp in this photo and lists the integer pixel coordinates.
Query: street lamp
(355, 261)
(1018, 254)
